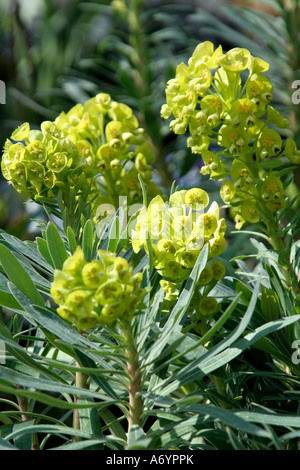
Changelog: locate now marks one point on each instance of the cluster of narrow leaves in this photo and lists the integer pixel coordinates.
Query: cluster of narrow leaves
(183, 407)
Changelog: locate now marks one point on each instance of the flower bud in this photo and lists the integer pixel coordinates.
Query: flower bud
(115, 143)
(208, 306)
(115, 164)
(206, 276)
(218, 269)
(93, 274)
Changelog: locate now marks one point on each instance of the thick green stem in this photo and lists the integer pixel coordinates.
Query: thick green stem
(143, 80)
(136, 401)
(137, 40)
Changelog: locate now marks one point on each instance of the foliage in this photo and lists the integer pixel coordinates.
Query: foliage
(141, 327)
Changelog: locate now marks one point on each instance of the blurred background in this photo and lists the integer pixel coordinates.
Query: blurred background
(55, 53)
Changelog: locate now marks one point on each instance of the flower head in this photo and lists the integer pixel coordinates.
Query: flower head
(88, 145)
(100, 292)
(178, 230)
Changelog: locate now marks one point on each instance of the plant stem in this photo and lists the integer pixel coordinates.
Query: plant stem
(143, 79)
(23, 406)
(136, 401)
(111, 188)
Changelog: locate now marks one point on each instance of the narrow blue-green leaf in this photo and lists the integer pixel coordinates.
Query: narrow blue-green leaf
(8, 300)
(93, 444)
(150, 252)
(147, 320)
(113, 423)
(242, 325)
(4, 445)
(48, 399)
(100, 381)
(18, 352)
(23, 300)
(211, 362)
(23, 441)
(114, 235)
(44, 251)
(28, 249)
(48, 319)
(47, 428)
(289, 436)
(18, 276)
(30, 381)
(197, 344)
(235, 441)
(87, 240)
(32, 268)
(180, 308)
(219, 322)
(144, 192)
(90, 420)
(273, 419)
(228, 417)
(137, 439)
(56, 246)
(71, 239)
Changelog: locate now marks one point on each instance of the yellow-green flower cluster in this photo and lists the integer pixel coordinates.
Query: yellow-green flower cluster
(207, 98)
(231, 123)
(100, 292)
(178, 229)
(41, 162)
(108, 134)
(202, 303)
(252, 198)
(99, 141)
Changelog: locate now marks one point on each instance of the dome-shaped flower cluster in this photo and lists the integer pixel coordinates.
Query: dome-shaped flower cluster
(99, 292)
(178, 230)
(98, 143)
(222, 100)
(39, 163)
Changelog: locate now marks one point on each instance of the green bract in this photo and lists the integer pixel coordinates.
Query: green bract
(100, 292)
(222, 100)
(98, 144)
